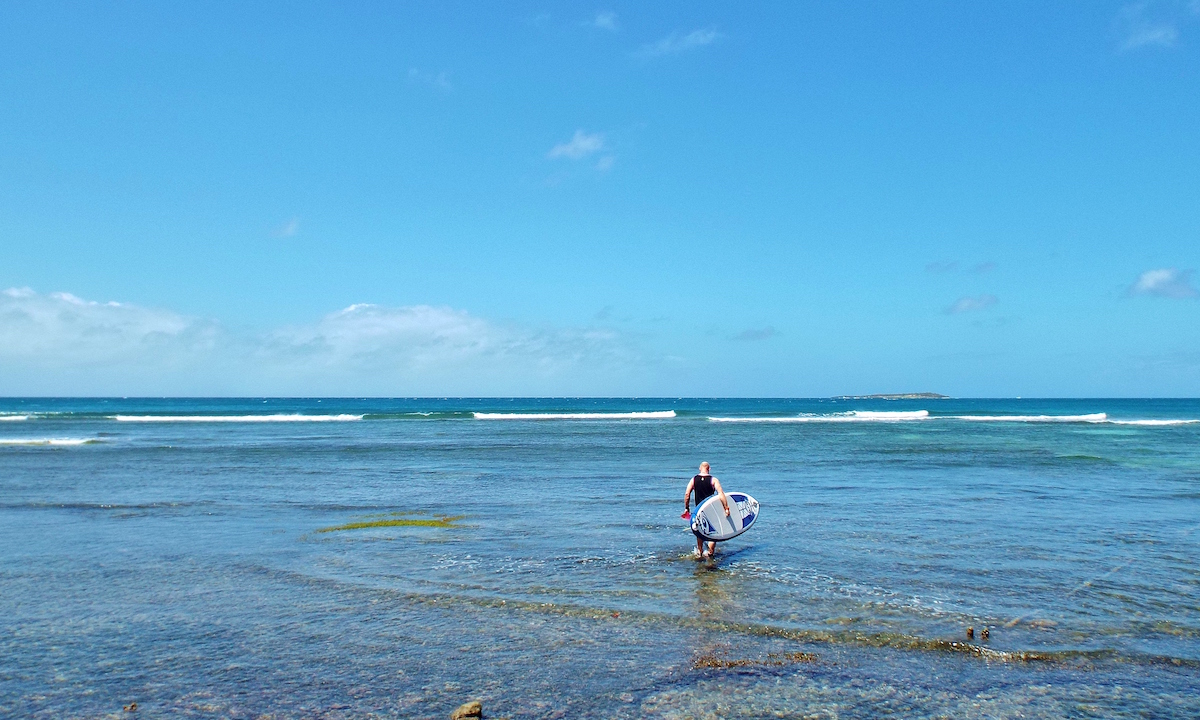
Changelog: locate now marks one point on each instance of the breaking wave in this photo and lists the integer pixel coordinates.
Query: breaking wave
(852, 416)
(1154, 423)
(655, 415)
(918, 415)
(1090, 418)
(236, 418)
(48, 441)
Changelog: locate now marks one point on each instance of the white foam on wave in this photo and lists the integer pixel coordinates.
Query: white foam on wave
(906, 416)
(1090, 418)
(13, 417)
(870, 415)
(236, 418)
(1154, 423)
(852, 416)
(655, 415)
(47, 441)
(789, 419)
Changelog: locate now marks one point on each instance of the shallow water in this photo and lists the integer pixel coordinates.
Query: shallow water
(179, 563)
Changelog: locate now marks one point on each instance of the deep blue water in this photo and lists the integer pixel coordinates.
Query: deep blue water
(189, 566)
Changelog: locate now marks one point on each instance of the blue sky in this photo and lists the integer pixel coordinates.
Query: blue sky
(789, 199)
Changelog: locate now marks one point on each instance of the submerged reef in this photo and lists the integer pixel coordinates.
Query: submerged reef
(710, 659)
(444, 521)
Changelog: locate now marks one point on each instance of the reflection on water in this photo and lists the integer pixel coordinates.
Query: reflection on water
(713, 600)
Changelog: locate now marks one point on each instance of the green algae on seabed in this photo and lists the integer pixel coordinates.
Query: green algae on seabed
(446, 521)
(711, 660)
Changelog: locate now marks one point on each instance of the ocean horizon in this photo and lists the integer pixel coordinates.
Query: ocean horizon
(343, 557)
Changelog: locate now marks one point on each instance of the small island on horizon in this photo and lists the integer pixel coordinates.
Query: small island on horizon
(895, 396)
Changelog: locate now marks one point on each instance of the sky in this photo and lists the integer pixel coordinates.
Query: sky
(655, 199)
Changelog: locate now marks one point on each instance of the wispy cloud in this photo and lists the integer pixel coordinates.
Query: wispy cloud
(756, 334)
(441, 349)
(947, 266)
(676, 43)
(288, 229)
(1152, 23)
(1165, 282)
(1161, 35)
(605, 21)
(438, 81)
(941, 266)
(578, 147)
(57, 342)
(971, 304)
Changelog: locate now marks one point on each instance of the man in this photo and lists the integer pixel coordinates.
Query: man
(705, 486)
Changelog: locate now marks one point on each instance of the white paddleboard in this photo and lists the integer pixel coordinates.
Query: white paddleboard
(710, 521)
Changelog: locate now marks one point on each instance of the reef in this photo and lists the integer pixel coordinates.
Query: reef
(446, 521)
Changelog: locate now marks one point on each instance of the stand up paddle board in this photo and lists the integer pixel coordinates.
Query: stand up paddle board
(710, 522)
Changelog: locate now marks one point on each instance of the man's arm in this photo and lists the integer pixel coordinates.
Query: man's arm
(687, 495)
(721, 492)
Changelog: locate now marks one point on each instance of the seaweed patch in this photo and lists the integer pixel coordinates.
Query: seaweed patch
(445, 521)
(710, 660)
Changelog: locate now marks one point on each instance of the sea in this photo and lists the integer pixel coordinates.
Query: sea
(395, 558)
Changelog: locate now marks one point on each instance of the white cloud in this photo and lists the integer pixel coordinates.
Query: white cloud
(60, 330)
(605, 21)
(578, 147)
(605, 163)
(425, 339)
(1165, 282)
(367, 335)
(674, 43)
(1150, 24)
(1147, 34)
(756, 334)
(949, 266)
(60, 344)
(970, 304)
(288, 229)
(438, 81)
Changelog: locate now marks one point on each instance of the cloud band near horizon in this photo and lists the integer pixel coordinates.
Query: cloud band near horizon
(59, 344)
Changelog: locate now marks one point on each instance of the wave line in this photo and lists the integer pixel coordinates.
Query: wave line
(655, 415)
(1090, 418)
(236, 418)
(852, 416)
(48, 441)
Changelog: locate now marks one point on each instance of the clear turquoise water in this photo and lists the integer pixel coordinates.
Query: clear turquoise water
(181, 564)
